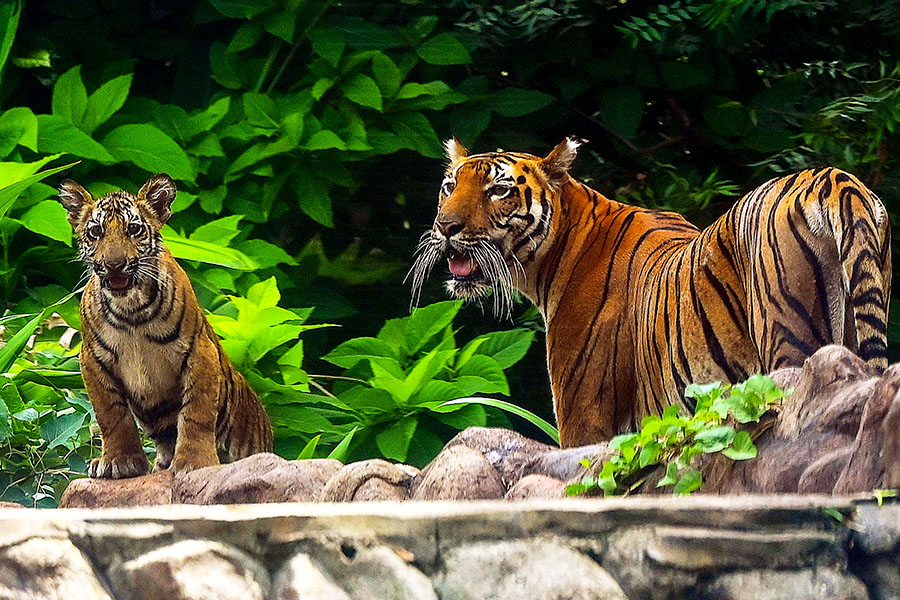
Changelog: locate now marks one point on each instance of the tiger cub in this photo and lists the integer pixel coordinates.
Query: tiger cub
(148, 352)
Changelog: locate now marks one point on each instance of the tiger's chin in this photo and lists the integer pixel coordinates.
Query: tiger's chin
(468, 288)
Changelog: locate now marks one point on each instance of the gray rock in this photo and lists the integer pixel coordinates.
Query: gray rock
(190, 570)
(876, 529)
(146, 490)
(369, 480)
(255, 479)
(810, 584)
(300, 579)
(641, 576)
(537, 486)
(48, 569)
(458, 473)
(533, 569)
(508, 452)
(374, 573)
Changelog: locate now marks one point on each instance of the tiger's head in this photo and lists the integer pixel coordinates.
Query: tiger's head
(494, 213)
(119, 234)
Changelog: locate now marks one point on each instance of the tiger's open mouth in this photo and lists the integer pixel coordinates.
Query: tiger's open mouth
(119, 282)
(463, 266)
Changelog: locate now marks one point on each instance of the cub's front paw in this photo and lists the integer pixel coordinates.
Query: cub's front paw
(119, 467)
(198, 461)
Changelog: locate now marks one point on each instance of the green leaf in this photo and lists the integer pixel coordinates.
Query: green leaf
(394, 441)
(386, 74)
(412, 90)
(56, 134)
(5, 422)
(516, 102)
(105, 102)
(471, 415)
(621, 109)
(48, 218)
(314, 200)
(714, 439)
(261, 111)
(58, 431)
(427, 321)
(351, 352)
(70, 97)
(240, 9)
(309, 450)
(416, 133)
(532, 418)
(205, 252)
(486, 368)
(671, 476)
(506, 347)
(363, 90)
(11, 188)
(18, 127)
(328, 44)
(741, 448)
(14, 345)
(9, 23)
(149, 148)
(265, 294)
(444, 49)
(219, 232)
(687, 483)
(343, 448)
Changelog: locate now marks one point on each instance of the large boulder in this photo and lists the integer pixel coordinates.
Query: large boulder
(147, 490)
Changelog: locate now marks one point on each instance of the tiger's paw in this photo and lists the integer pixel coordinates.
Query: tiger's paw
(119, 467)
(197, 461)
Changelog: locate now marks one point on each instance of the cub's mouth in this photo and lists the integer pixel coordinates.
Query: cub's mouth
(119, 282)
(463, 266)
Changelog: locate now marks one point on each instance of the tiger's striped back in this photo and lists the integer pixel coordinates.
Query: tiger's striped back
(639, 303)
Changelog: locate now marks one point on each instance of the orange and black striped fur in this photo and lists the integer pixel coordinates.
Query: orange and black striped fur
(638, 303)
(148, 352)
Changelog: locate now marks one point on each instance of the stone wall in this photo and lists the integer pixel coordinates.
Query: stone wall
(760, 547)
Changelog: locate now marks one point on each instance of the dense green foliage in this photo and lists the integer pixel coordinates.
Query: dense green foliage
(304, 136)
(675, 440)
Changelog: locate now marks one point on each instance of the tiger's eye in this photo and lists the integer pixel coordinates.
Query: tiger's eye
(135, 228)
(499, 191)
(95, 232)
(448, 187)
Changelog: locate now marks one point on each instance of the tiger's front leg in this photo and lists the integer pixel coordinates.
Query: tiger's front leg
(195, 446)
(122, 454)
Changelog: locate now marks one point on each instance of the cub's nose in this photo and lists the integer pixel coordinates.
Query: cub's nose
(449, 226)
(115, 266)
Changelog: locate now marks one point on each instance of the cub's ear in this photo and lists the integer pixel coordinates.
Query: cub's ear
(159, 193)
(455, 151)
(556, 165)
(74, 198)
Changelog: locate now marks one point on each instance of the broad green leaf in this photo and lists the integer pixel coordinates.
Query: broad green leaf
(219, 232)
(149, 148)
(105, 102)
(309, 450)
(411, 90)
(265, 294)
(14, 345)
(11, 190)
(325, 140)
(5, 422)
(427, 321)
(444, 49)
(394, 441)
(245, 37)
(741, 448)
(369, 400)
(687, 483)
(363, 90)
(240, 9)
(486, 368)
(387, 74)
(425, 369)
(48, 218)
(58, 135)
(313, 194)
(206, 119)
(205, 252)
(671, 476)
(362, 34)
(9, 23)
(261, 111)
(516, 102)
(532, 418)
(18, 127)
(281, 24)
(714, 439)
(328, 44)
(343, 448)
(265, 254)
(416, 133)
(351, 352)
(59, 430)
(506, 347)
(70, 97)
(621, 109)
(472, 415)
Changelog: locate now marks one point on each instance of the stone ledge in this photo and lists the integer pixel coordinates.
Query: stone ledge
(637, 548)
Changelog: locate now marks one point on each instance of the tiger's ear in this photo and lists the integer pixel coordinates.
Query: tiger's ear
(556, 165)
(159, 193)
(74, 198)
(455, 151)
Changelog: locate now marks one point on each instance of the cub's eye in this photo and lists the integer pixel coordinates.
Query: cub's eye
(498, 192)
(135, 229)
(448, 187)
(94, 232)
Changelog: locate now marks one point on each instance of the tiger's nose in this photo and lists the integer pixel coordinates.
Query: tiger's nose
(450, 226)
(116, 266)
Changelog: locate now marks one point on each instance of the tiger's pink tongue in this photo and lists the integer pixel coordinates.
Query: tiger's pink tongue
(461, 266)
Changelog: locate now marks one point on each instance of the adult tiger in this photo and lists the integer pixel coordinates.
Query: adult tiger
(147, 348)
(638, 303)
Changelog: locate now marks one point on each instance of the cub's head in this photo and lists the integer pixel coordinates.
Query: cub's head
(494, 212)
(118, 234)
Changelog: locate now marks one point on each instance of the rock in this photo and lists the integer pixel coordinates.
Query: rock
(820, 477)
(626, 559)
(191, 570)
(458, 473)
(809, 584)
(256, 479)
(537, 486)
(882, 576)
(369, 480)
(300, 579)
(152, 489)
(786, 378)
(4, 504)
(876, 449)
(374, 573)
(533, 569)
(876, 529)
(48, 569)
(507, 451)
